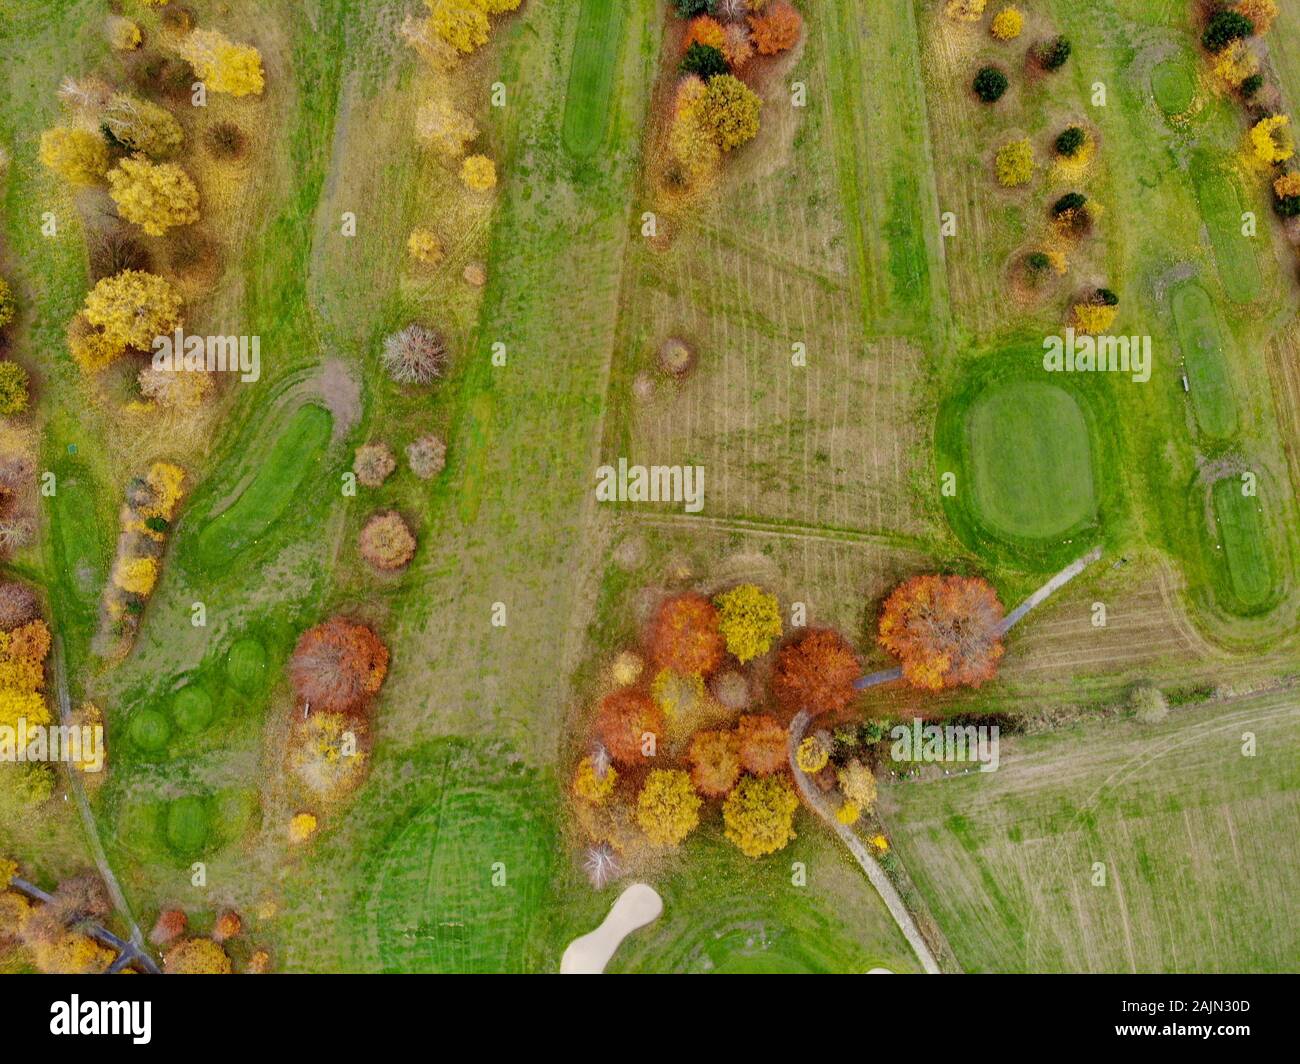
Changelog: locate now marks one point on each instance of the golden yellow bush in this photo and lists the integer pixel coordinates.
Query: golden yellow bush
(424, 246)
(966, 10)
(758, 814)
(155, 196)
(302, 827)
(1271, 141)
(848, 813)
(749, 618)
(76, 155)
(461, 23)
(136, 575)
(223, 65)
(1287, 185)
(812, 755)
(1007, 24)
(479, 173)
(857, 784)
(1014, 164)
(667, 809)
(1094, 318)
(592, 787)
(440, 123)
(1235, 64)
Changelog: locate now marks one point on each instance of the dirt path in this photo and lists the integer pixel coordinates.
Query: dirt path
(135, 946)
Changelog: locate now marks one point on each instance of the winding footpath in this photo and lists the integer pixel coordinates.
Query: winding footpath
(822, 807)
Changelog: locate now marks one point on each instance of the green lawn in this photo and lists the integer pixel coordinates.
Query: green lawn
(1201, 340)
(592, 75)
(1030, 460)
(1244, 541)
(1173, 84)
(1237, 255)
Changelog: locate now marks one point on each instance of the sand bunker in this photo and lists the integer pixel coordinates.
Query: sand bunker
(637, 906)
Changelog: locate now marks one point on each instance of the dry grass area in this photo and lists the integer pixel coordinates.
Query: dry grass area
(1195, 838)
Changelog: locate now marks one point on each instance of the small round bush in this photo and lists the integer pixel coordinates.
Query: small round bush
(1070, 140)
(427, 456)
(1071, 201)
(1252, 85)
(1224, 27)
(373, 463)
(703, 60)
(13, 388)
(1106, 297)
(386, 542)
(1148, 703)
(1052, 55)
(1038, 262)
(989, 85)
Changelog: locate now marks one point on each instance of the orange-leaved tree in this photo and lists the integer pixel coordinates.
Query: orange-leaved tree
(945, 630)
(684, 635)
(337, 666)
(629, 723)
(816, 673)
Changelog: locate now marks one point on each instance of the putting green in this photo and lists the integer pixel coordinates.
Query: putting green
(192, 709)
(591, 76)
(1030, 460)
(1201, 339)
(149, 730)
(456, 886)
(1244, 543)
(246, 665)
(1174, 86)
(187, 825)
(281, 472)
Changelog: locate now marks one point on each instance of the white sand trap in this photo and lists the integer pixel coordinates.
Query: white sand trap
(637, 906)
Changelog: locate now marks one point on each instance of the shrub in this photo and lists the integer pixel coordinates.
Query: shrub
(1106, 297)
(427, 456)
(1252, 85)
(704, 61)
(1070, 140)
(945, 631)
(1270, 140)
(155, 196)
(479, 173)
(737, 47)
(1224, 27)
(965, 10)
(386, 542)
(225, 140)
(857, 784)
(683, 635)
(762, 744)
(626, 722)
(448, 129)
(373, 464)
(18, 605)
(7, 305)
(594, 781)
(415, 355)
(143, 126)
(704, 30)
(197, 956)
(424, 246)
(1014, 164)
(223, 65)
(989, 84)
(1007, 24)
(1071, 201)
(1052, 54)
(130, 308)
(691, 8)
(728, 111)
(13, 389)
(76, 155)
(1148, 703)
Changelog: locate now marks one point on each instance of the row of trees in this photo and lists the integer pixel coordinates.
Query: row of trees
(55, 936)
(679, 729)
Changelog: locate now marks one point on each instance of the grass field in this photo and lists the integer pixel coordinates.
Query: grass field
(1222, 208)
(1030, 461)
(1244, 543)
(1201, 341)
(1191, 833)
(1173, 84)
(591, 77)
(823, 481)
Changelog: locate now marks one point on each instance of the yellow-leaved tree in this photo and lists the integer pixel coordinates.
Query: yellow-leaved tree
(156, 196)
(76, 155)
(126, 310)
(668, 809)
(749, 618)
(441, 124)
(461, 23)
(759, 814)
(224, 65)
(479, 173)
